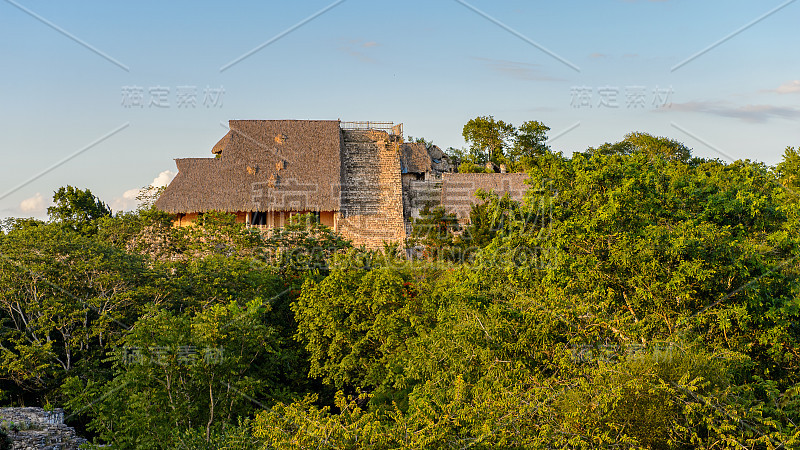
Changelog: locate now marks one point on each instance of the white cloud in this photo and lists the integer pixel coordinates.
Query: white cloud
(131, 194)
(163, 178)
(128, 200)
(34, 205)
(789, 87)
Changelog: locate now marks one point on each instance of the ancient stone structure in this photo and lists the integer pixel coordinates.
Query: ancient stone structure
(36, 429)
(359, 178)
(371, 211)
(458, 189)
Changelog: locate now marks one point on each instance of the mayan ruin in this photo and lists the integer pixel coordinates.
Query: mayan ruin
(30, 428)
(359, 178)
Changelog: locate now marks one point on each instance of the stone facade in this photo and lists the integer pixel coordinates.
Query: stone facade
(36, 429)
(417, 193)
(371, 211)
(458, 189)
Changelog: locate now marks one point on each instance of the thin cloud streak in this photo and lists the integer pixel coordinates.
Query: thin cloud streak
(517, 70)
(748, 113)
(355, 49)
(790, 87)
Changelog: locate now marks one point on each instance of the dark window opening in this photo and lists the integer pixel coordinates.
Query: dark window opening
(259, 218)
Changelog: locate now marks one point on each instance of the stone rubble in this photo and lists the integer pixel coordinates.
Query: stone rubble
(39, 429)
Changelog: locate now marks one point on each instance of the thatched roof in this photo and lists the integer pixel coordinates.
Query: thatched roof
(265, 165)
(220, 146)
(414, 158)
(458, 189)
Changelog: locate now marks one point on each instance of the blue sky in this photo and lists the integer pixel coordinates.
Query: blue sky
(590, 70)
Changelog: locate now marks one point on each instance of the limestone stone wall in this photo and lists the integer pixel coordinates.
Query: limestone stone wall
(458, 190)
(371, 210)
(35, 429)
(418, 193)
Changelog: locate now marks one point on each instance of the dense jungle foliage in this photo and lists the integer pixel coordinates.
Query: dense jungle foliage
(638, 298)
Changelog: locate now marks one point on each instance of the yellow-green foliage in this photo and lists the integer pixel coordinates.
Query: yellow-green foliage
(639, 298)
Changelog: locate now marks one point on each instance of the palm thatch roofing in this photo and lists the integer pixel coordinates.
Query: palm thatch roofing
(220, 146)
(414, 158)
(458, 189)
(262, 165)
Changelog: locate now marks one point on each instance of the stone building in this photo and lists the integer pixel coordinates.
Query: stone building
(36, 429)
(359, 178)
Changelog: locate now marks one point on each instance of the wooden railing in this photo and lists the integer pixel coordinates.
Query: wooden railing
(388, 127)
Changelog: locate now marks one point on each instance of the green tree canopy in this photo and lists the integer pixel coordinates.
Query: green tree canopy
(646, 144)
(78, 209)
(636, 298)
(488, 136)
(502, 143)
(788, 170)
(530, 143)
